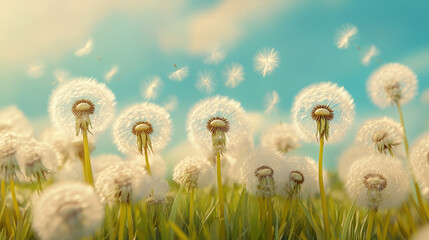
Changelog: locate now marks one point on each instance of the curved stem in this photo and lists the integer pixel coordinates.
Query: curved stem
(123, 212)
(15, 202)
(146, 157)
(221, 199)
(370, 223)
(322, 189)
(88, 169)
(130, 221)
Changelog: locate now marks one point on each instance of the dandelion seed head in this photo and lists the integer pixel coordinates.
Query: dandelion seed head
(123, 182)
(124, 127)
(271, 101)
(159, 192)
(179, 74)
(347, 158)
(377, 181)
(323, 99)
(215, 57)
(85, 50)
(83, 97)
(266, 61)
(419, 159)
(10, 144)
(380, 135)
(111, 73)
(281, 137)
(297, 176)
(12, 119)
(205, 82)
(223, 109)
(390, 83)
(67, 211)
(234, 75)
(372, 52)
(150, 88)
(345, 35)
(193, 172)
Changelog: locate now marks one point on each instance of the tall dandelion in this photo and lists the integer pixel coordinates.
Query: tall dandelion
(142, 128)
(281, 137)
(67, 211)
(84, 105)
(345, 36)
(322, 112)
(216, 125)
(266, 61)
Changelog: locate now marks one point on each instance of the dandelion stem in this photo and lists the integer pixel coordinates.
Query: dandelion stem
(3, 190)
(269, 218)
(386, 225)
(88, 169)
(123, 212)
(262, 211)
(221, 199)
(15, 202)
(39, 184)
(407, 151)
(322, 189)
(286, 209)
(409, 216)
(130, 222)
(83, 167)
(370, 223)
(146, 157)
(191, 211)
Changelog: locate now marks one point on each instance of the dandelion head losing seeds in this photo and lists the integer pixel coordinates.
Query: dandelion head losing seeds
(82, 104)
(217, 124)
(392, 83)
(419, 159)
(67, 211)
(377, 182)
(322, 110)
(234, 75)
(142, 126)
(382, 135)
(266, 61)
(193, 172)
(281, 137)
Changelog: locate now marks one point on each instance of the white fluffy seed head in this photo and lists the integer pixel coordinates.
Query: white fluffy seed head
(347, 158)
(67, 211)
(419, 159)
(12, 119)
(297, 172)
(392, 82)
(65, 95)
(157, 116)
(383, 169)
(221, 107)
(281, 137)
(329, 94)
(266, 61)
(261, 171)
(380, 135)
(159, 191)
(194, 172)
(123, 182)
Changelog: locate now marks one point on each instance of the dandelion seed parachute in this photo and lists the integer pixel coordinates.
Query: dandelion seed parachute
(111, 73)
(271, 101)
(123, 182)
(294, 171)
(380, 135)
(377, 181)
(12, 119)
(194, 172)
(85, 50)
(66, 95)
(281, 137)
(390, 83)
(217, 107)
(67, 211)
(156, 116)
(345, 36)
(205, 81)
(215, 57)
(234, 75)
(419, 159)
(150, 88)
(179, 74)
(266, 61)
(372, 52)
(325, 95)
(347, 158)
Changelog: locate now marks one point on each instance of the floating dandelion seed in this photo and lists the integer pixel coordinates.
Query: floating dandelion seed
(380, 135)
(179, 74)
(171, 104)
(281, 137)
(271, 101)
(392, 83)
(35, 70)
(67, 211)
(215, 58)
(372, 52)
(205, 81)
(151, 88)
(347, 158)
(345, 36)
(12, 119)
(85, 50)
(61, 76)
(322, 109)
(234, 75)
(377, 181)
(266, 61)
(297, 176)
(193, 172)
(111, 73)
(419, 159)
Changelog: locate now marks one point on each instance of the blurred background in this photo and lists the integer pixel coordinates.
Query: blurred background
(43, 42)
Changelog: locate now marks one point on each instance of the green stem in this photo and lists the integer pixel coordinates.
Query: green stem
(83, 168)
(15, 202)
(6, 211)
(269, 226)
(3, 190)
(130, 221)
(286, 209)
(262, 211)
(146, 157)
(410, 217)
(370, 223)
(221, 199)
(39, 184)
(407, 151)
(88, 169)
(322, 189)
(386, 225)
(122, 219)
(191, 211)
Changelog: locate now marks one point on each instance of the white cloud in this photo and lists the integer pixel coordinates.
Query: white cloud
(418, 61)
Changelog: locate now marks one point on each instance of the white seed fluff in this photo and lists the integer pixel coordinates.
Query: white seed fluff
(281, 137)
(194, 171)
(234, 75)
(345, 35)
(266, 61)
(419, 159)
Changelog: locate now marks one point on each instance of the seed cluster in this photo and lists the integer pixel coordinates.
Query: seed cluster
(375, 181)
(215, 124)
(142, 127)
(297, 177)
(83, 107)
(322, 111)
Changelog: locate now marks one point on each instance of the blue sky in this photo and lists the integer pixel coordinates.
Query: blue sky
(147, 38)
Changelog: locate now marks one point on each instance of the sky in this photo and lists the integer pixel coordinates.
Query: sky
(145, 38)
